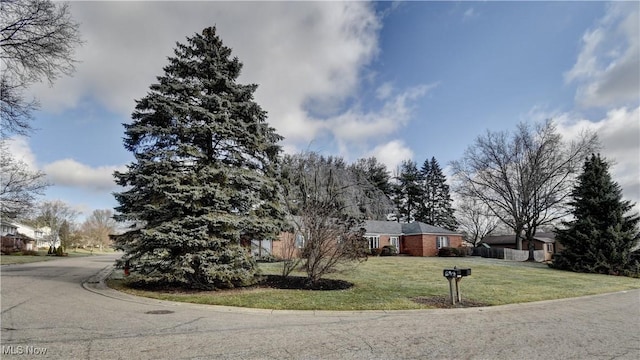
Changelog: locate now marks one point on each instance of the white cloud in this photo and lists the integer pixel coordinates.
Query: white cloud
(19, 149)
(356, 126)
(384, 91)
(607, 69)
(298, 53)
(619, 134)
(469, 13)
(69, 172)
(392, 154)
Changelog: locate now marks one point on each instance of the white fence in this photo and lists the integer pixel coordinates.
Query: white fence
(523, 255)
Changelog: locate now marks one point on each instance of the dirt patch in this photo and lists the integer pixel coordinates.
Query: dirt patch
(444, 302)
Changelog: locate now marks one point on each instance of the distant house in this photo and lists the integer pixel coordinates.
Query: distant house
(414, 239)
(545, 242)
(42, 236)
(11, 239)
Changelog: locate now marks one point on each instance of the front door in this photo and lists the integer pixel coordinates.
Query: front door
(395, 241)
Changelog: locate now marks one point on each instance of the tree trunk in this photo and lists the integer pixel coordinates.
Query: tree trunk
(518, 239)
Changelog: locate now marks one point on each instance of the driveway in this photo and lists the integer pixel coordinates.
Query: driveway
(47, 313)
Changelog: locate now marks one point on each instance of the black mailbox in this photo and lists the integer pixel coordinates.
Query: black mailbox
(455, 272)
(464, 272)
(450, 273)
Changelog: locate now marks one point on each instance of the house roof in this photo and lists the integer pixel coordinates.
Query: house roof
(511, 239)
(395, 228)
(499, 239)
(418, 227)
(383, 227)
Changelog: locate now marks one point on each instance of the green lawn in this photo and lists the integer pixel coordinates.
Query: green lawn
(391, 283)
(42, 256)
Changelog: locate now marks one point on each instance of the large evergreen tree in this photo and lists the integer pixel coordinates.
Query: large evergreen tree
(602, 234)
(204, 173)
(435, 208)
(375, 172)
(408, 191)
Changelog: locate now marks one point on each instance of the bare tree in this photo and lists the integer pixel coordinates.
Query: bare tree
(523, 177)
(53, 214)
(475, 220)
(37, 38)
(19, 186)
(291, 251)
(97, 228)
(333, 236)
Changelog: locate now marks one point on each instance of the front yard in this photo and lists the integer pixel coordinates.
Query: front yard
(42, 256)
(394, 283)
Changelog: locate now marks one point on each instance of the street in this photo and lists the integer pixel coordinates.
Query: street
(48, 313)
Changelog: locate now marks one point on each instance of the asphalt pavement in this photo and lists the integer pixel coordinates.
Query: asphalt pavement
(61, 310)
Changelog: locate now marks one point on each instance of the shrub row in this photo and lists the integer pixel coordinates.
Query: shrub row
(452, 252)
(387, 250)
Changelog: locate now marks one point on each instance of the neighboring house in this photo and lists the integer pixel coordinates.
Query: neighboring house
(7, 228)
(415, 239)
(11, 239)
(40, 235)
(541, 241)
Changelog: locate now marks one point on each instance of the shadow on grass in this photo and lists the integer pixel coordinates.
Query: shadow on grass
(265, 281)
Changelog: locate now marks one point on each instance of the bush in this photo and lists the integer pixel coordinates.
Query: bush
(447, 252)
(462, 251)
(30, 252)
(452, 252)
(376, 252)
(389, 250)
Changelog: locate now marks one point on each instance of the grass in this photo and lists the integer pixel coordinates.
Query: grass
(392, 283)
(42, 256)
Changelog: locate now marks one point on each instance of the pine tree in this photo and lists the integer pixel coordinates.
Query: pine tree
(408, 192)
(436, 206)
(203, 179)
(602, 235)
(375, 172)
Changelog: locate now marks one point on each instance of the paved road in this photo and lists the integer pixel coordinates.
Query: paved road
(45, 309)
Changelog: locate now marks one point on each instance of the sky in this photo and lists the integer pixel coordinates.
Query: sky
(394, 80)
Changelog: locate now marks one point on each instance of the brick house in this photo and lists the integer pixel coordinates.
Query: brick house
(414, 239)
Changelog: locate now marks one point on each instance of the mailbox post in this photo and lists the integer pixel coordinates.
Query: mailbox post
(457, 275)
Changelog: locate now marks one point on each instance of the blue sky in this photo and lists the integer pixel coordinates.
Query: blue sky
(395, 80)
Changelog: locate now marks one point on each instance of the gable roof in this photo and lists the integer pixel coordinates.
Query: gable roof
(383, 227)
(418, 227)
(395, 228)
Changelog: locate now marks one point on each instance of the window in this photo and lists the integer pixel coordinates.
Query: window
(442, 241)
(374, 242)
(299, 241)
(549, 247)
